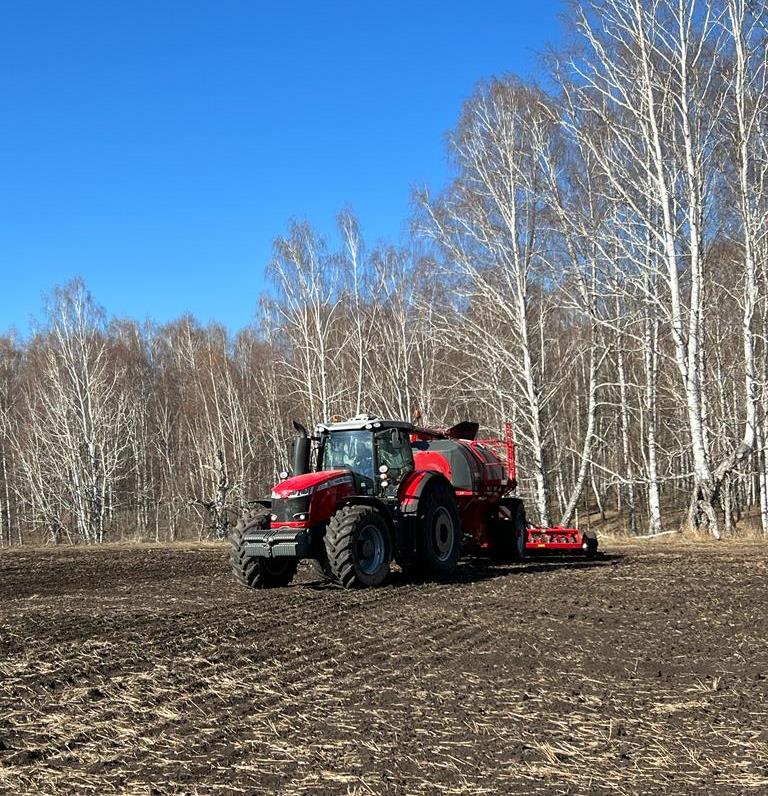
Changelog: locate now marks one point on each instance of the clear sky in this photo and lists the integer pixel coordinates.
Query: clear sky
(157, 147)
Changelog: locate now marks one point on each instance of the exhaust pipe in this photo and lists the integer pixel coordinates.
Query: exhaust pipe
(301, 447)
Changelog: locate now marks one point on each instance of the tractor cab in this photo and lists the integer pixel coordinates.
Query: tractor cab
(377, 453)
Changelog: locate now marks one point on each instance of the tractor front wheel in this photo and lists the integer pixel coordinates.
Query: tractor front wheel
(358, 546)
(253, 571)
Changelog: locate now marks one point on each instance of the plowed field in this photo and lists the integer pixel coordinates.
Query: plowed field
(148, 670)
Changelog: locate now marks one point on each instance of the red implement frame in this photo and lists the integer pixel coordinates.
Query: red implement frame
(507, 446)
(556, 538)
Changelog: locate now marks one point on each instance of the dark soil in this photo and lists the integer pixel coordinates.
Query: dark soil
(150, 671)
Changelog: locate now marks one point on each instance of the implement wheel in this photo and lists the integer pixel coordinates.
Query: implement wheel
(511, 534)
(254, 571)
(438, 532)
(358, 546)
(589, 544)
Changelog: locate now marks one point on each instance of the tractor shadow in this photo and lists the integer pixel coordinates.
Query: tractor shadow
(475, 570)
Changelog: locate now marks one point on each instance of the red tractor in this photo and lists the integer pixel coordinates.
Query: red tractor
(370, 491)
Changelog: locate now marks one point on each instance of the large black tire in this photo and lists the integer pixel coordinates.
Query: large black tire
(358, 547)
(511, 535)
(254, 571)
(438, 532)
(590, 544)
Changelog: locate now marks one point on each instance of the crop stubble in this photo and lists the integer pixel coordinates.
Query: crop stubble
(148, 670)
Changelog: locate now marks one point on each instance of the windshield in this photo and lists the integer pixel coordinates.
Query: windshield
(349, 449)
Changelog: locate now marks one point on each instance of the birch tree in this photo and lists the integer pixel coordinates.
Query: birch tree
(746, 130)
(488, 224)
(648, 77)
(306, 308)
(73, 441)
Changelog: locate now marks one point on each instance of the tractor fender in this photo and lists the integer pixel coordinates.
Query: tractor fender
(417, 484)
(367, 500)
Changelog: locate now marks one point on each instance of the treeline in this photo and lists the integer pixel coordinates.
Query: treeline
(596, 272)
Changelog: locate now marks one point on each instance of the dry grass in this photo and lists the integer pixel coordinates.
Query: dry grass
(147, 671)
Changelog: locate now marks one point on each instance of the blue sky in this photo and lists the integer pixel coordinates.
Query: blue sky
(156, 148)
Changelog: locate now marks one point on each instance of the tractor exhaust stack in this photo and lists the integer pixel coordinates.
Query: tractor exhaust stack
(301, 447)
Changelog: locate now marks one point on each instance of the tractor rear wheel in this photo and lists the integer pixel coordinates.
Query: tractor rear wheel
(438, 532)
(358, 546)
(254, 571)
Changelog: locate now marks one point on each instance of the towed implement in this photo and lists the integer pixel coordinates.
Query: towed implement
(369, 491)
(561, 540)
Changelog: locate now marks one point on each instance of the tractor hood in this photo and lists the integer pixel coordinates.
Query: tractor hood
(304, 484)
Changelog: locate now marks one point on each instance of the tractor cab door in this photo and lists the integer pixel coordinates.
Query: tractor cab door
(394, 458)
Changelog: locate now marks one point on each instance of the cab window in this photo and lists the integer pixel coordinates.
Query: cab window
(393, 447)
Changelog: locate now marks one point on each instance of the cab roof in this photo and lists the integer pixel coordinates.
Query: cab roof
(361, 422)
